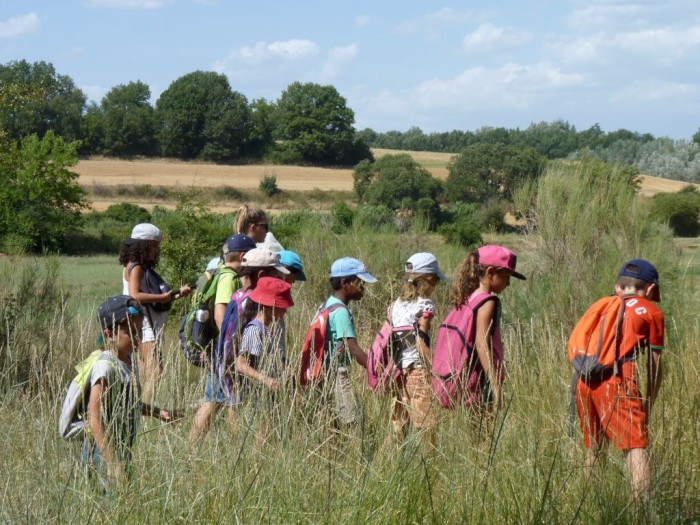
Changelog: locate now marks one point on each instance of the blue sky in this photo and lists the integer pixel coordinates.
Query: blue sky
(438, 66)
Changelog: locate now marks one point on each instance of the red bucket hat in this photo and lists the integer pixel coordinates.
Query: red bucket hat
(271, 291)
(499, 256)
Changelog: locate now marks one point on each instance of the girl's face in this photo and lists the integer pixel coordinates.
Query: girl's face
(279, 313)
(258, 230)
(499, 278)
(431, 281)
(153, 250)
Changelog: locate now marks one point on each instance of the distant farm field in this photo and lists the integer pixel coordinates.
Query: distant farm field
(96, 172)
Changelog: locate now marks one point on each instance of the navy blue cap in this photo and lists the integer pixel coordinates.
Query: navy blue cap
(116, 309)
(239, 243)
(644, 270)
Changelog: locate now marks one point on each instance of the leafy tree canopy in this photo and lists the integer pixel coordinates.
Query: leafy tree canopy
(40, 100)
(201, 117)
(40, 199)
(129, 123)
(316, 126)
(485, 171)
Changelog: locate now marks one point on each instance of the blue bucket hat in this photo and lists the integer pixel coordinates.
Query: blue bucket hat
(292, 261)
(347, 266)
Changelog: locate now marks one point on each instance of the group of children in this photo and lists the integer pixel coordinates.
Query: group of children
(255, 287)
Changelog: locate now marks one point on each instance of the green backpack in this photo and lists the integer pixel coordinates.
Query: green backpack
(198, 331)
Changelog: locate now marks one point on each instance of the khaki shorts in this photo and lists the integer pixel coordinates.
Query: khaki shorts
(414, 402)
(345, 403)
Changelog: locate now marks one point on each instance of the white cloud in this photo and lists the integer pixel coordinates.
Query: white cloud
(488, 38)
(515, 86)
(19, 25)
(127, 4)
(337, 58)
(664, 45)
(433, 23)
(288, 50)
(646, 91)
(599, 15)
(362, 20)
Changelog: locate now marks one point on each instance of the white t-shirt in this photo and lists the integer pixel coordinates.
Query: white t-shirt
(407, 313)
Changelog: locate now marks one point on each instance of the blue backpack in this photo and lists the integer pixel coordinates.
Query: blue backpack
(227, 348)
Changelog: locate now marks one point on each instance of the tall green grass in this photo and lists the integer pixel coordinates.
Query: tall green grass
(522, 469)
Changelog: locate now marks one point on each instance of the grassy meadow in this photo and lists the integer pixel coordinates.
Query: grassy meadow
(524, 468)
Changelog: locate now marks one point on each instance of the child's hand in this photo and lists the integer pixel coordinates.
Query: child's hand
(184, 290)
(273, 384)
(170, 415)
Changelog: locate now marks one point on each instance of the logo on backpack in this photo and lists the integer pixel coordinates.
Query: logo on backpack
(594, 345)
(455, 365)
(313, 351)
(198, 330)
(71, 424)
(383, 360)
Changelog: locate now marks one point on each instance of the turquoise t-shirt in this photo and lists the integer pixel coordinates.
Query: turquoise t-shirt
(341, 326)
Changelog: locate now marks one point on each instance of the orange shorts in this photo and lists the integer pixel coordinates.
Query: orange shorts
(415, 402)
(613, 409)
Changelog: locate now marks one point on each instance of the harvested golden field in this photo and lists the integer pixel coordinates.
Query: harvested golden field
(97, 172)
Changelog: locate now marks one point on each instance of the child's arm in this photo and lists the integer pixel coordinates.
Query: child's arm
(355, 351)
(243, 367)
(135, 277)
(115, 470)
(654, 377)
(421, 344)
(485, 317)
(161, 413)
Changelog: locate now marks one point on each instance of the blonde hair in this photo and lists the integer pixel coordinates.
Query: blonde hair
(246, 217)
(467, 280)
(417, 285)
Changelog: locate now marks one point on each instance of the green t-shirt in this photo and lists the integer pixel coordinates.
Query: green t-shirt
(341, 326)
(228, 283)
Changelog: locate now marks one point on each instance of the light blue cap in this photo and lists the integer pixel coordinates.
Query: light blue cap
(293, 262)
(424, 263)
(347, 266)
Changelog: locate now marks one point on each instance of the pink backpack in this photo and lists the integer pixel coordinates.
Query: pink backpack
(382, 370)
(454, 357)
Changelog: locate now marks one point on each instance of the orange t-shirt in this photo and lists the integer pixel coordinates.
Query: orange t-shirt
(642, 327)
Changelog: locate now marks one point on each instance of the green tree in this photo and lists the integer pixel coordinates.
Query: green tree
(680, 210)
(696, 137)
(129, 121)
(92, 130)
(398, 181)
(262, 127)
(485, 171)
(59, 106)
(316, 126)
(40, 199)
(201, 117)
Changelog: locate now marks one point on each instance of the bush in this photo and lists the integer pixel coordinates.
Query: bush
(374, 218)
(268, 185)
(342, 217)
(289, 226)
(128, 213)
(464, 233)
(491, 216)
(680, 210)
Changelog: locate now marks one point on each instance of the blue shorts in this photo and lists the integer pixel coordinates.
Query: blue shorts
(214, 392)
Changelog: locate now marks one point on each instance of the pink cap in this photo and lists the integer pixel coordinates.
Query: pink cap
(499, 256)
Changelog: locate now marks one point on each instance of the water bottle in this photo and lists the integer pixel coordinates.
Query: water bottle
(202, 315)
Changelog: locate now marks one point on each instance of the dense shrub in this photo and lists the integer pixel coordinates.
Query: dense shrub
(127, 212)
(491, 216)
(463, 232)
(374, 218)
(342, 217)
(289, 226)
(680, 210)
(268, 185)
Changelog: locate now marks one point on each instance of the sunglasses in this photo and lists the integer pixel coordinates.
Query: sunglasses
(263, 225)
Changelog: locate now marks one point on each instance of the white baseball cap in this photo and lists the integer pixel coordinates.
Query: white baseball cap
(423, 263)
(263, 258)
(145, 232)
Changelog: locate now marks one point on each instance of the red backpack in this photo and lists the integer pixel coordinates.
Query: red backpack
(454, 350)
(313, 351)
(382, 369)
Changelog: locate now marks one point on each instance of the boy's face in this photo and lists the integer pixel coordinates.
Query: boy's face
(355, 289)
(127, 334)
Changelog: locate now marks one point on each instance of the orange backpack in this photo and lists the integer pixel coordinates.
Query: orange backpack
(594, 345)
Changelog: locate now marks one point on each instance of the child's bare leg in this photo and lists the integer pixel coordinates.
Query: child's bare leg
(589, 463)
(232, 418)
(201, 422)
(150, 368)
(640, 472)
